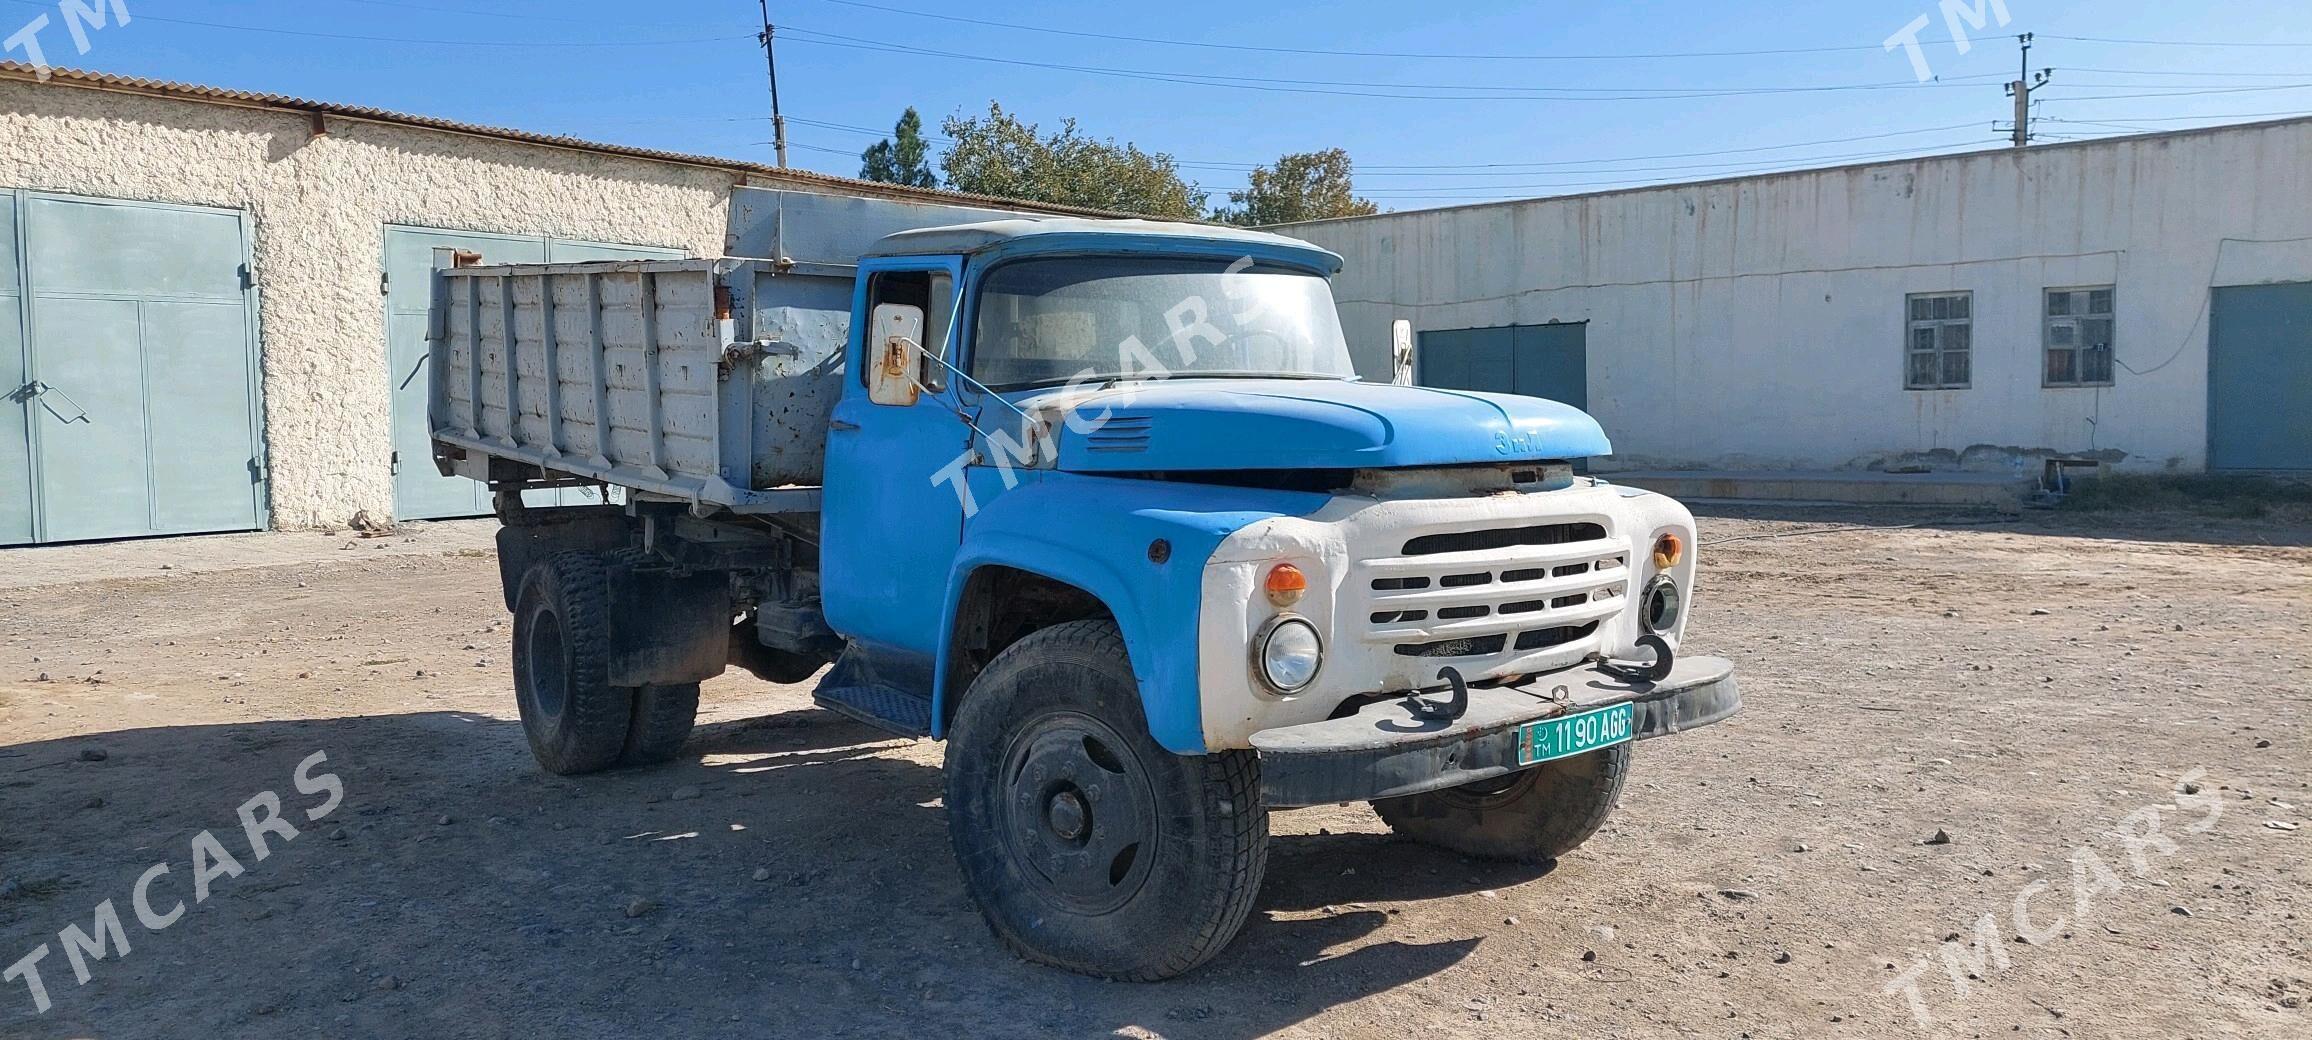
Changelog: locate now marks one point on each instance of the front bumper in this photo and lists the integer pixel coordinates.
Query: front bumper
(1385, 751)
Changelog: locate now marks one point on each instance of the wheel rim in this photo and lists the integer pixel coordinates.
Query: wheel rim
(1079, 814)
(1492, 786)
(546, 664)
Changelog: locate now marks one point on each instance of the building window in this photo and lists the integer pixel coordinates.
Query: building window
(1942, 340)
(2078, 336)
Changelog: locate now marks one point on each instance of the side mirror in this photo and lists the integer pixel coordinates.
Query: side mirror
(895, 354)
(1401, 352)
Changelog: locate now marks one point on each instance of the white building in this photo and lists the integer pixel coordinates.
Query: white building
(2145, 301)
(212, 301)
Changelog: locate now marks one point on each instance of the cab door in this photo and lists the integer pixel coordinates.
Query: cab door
(892, 519)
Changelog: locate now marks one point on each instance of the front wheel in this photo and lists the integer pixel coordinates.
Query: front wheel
(1086, 844)
(1531, 816)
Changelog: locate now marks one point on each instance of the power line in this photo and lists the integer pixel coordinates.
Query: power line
(1353, 53)
(2179, 72)
(1488, 169)
(1712, 171)
(1698, 155)
(814, 148)
(2129, 127)
(1705, 167)
(2288, 114)
(307, 34)
(468, 11)
(2181, 93)
(1383, 90)
(2168, 43)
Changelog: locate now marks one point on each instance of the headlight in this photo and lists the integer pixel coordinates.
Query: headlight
(1661, 606)
(1287, 654)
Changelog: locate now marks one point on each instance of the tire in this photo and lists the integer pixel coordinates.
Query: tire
(576, 721)
(663, 716)
(1531, 816)
(1087, 845)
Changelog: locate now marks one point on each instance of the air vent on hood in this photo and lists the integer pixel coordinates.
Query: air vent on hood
(1121, 433)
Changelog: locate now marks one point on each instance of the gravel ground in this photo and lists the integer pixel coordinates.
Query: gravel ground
(2100, 721)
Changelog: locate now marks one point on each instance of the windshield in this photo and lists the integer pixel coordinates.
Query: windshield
(1073, 319)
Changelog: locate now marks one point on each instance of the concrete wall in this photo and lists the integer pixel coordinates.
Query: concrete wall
(318, 209)
(1759, 323)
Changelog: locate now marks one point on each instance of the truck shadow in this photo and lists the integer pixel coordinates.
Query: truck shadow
(789, 876)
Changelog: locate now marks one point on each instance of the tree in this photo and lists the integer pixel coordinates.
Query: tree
(902, 158)
(1301, 186)
(998, 155)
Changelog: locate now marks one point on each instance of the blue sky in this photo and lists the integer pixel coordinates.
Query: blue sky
(1439, 104)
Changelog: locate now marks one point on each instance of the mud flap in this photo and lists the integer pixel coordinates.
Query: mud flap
(667, 629)
(544, 532)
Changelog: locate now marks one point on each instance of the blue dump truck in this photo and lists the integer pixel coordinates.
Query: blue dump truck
(1101, 504)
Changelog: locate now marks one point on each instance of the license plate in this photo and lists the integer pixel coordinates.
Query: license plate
(1570, 735)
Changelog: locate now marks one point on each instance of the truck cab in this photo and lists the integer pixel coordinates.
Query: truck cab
(1106, 506)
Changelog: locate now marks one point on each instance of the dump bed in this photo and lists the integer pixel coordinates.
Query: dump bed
(705, 381)
(708, 381)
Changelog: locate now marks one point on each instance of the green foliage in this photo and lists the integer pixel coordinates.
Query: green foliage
(903, 158)
(999, 155)
(1301, 186)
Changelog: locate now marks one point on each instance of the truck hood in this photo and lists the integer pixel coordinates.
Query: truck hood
(1214, 424)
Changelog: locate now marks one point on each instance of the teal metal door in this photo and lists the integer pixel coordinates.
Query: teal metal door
(2260, 379)
(1546, 361)
(420, 492)
(140, 391)
(16, 408)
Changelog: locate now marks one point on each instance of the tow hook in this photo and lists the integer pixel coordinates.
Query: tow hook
(1448, 711)
(1650, 672)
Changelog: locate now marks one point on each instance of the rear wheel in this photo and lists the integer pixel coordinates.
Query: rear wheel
(1532, 816)
(663, 716)
(576, 721)
(1086, 844)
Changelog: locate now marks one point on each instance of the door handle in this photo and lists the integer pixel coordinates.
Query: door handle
(36, 390)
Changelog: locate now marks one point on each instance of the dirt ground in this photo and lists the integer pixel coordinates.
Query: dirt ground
(2026, 688)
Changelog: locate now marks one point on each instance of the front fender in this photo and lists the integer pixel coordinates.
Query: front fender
(1095, 533)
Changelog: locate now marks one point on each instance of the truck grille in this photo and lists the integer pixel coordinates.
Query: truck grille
(1492, 591)
(1503, 538)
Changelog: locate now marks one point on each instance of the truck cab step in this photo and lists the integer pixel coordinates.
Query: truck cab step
(886, 708)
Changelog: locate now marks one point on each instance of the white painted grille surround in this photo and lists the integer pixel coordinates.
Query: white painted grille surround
(1358, 540)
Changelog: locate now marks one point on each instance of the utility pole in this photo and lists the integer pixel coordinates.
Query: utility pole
(771, 59)
(2025, 83)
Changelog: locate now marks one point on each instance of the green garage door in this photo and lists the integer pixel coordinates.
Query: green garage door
(420, 492)
(1547, 361)
(16, 414)
(130, 352)
(2260, 379)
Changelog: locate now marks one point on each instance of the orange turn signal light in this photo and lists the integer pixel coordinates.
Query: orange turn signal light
(1668, 551)
(1286, 584)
